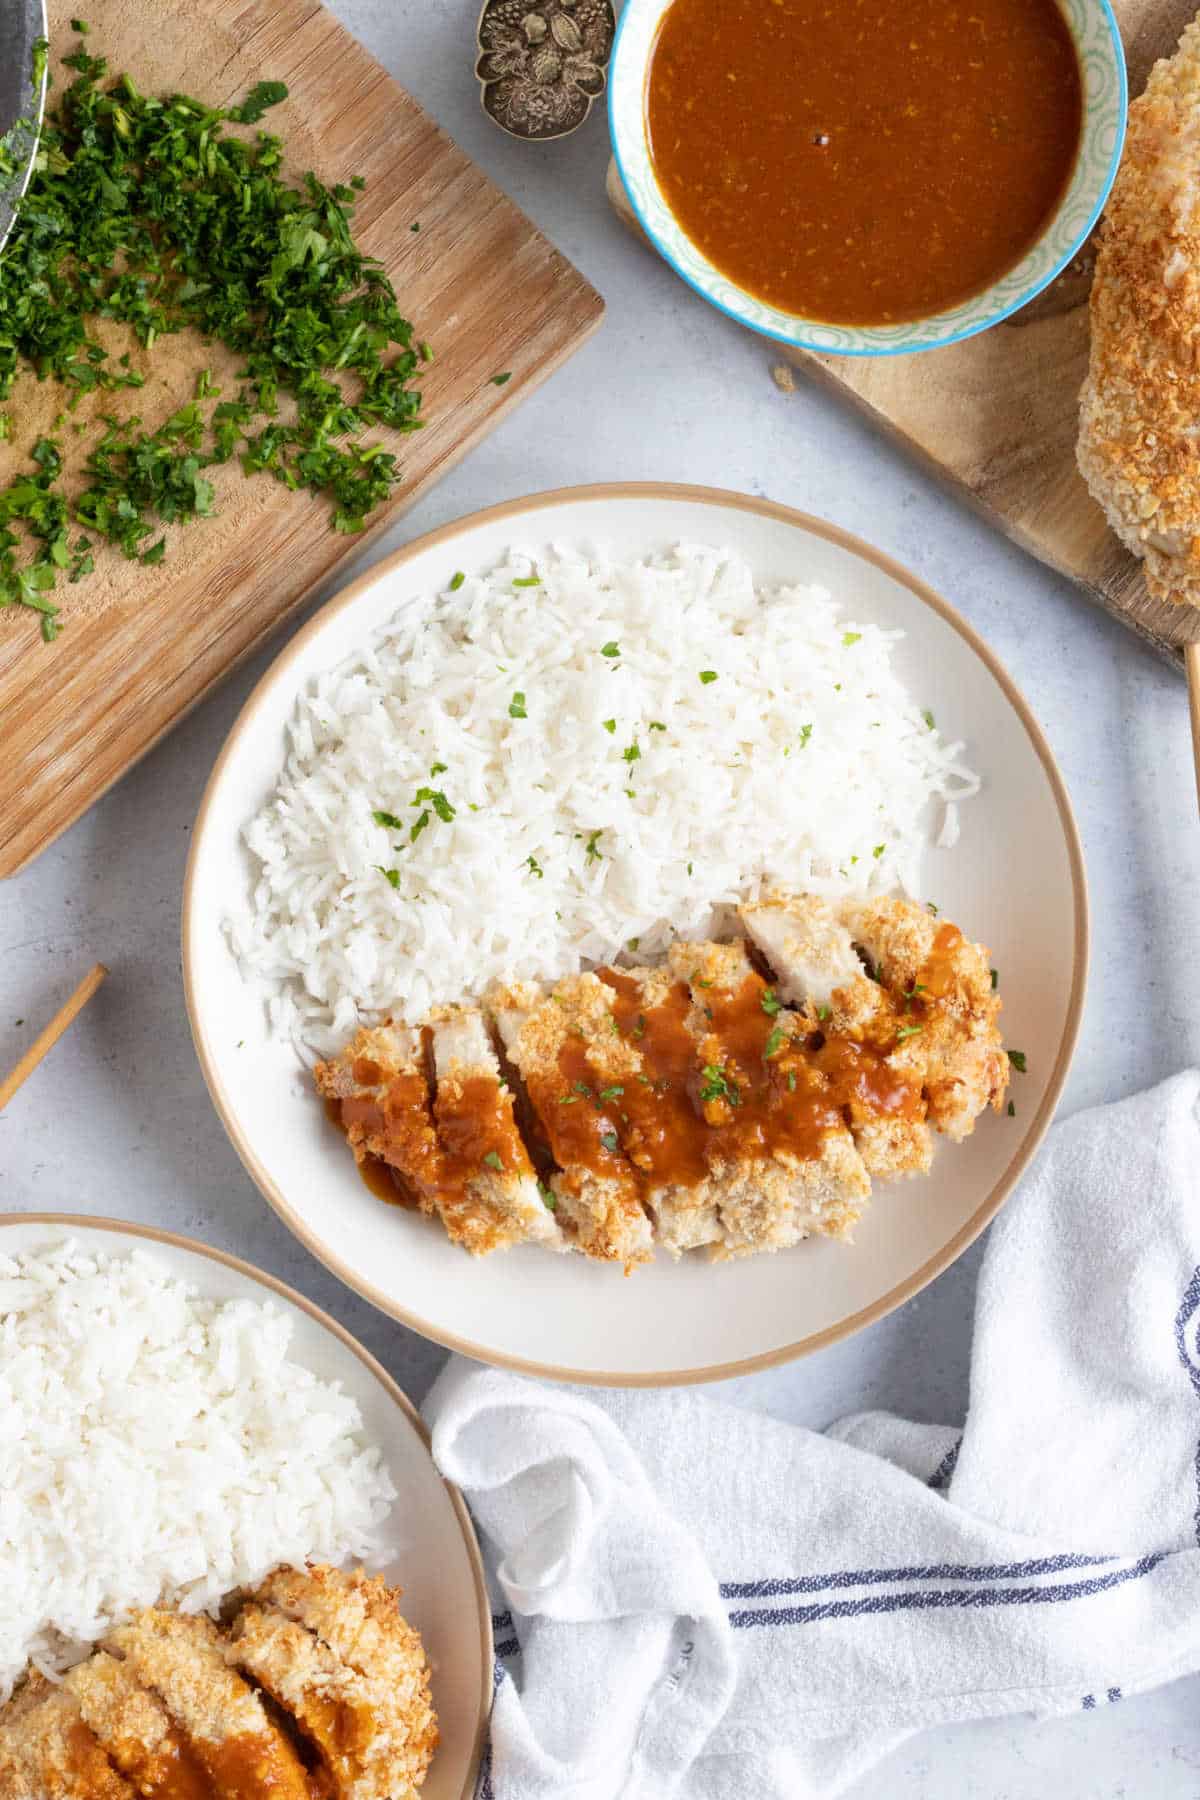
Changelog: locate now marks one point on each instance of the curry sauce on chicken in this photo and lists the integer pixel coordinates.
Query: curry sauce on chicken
(740, 1097)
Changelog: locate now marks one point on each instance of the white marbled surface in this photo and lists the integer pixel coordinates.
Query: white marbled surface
(118, 1122)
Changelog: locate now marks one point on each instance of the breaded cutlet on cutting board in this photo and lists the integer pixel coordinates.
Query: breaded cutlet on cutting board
(999, 413)
(140, 646)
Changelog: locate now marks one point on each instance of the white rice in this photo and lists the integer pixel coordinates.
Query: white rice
(155, 1446)
(804, 763)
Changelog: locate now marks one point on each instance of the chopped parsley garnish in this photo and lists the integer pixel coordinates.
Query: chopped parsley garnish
(391, 876)
(656, 725)
(492, 1159)
(612, 648)
(581, 1087)
(262, 96)
(1017, 1059)
(499, 380)
(707, 675)
(610, 725)
(791, 1081)
(878, 851)
(610, 1093)
(631, 944)
(548, 1199)
(527, 581)
(805, 734)
(146, 213)
(567, 1099)
(516, 706)
(928, 718)
(774, 1042)
(594, 855)
(418, 825)
(906, 1031)
(851, 637)
(823, 1012)
(717, 1087)
(995, 979)
(639, 1030)
(437, 800)
(1012, 1111)
(456, 581)
(534, 867)
(438, 768)
(930, 907)
(632, 755)
(609, 1140)
(770, 1002)
(388, 820)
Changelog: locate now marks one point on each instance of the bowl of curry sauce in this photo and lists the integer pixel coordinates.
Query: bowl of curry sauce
(864, 177)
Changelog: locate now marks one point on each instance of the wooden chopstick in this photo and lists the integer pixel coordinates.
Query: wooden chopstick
(46, 1040)
(1191, 662)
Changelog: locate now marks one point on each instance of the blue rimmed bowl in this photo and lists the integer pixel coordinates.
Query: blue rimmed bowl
(1102, 66)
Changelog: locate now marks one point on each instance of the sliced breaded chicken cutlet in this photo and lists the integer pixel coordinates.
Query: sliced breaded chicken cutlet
(334, 1654)
(182, 1658)
(451, 1143)
(657, 1120)
(739, 1097)
(47, 1751)
(946, 1004)
(784, 1162)
(853, 1026)
(136, 1731)
(573, 1064)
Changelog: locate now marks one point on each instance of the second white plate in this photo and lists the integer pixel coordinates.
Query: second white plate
(1015, 881)
(428, 1541)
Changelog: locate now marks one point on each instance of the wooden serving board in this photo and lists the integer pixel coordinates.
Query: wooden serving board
(998, 414)
(140, 646)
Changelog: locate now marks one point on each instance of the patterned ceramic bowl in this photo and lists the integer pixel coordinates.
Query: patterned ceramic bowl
(1102, 63)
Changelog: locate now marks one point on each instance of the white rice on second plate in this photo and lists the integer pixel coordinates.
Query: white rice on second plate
(532, 770)
(158, 1447)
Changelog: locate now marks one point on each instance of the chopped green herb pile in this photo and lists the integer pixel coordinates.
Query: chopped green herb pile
(145, 212)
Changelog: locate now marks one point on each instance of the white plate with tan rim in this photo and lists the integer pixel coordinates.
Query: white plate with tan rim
(428, 1543)
(1015, 881)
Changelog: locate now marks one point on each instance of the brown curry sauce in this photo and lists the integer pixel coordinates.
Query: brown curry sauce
(863, 161)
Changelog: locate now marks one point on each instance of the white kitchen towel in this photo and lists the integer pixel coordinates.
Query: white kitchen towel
(696, 1600)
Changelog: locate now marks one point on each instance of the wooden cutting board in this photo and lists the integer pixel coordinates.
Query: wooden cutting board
(998, 414)
(140, 646)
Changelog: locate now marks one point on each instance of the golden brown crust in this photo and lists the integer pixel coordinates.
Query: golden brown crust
(181, 1657)
(48, 1753)
(374, 1737)
(1140, 408)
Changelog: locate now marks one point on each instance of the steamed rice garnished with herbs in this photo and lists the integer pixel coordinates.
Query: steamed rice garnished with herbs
(530, 772)
(158, 1447)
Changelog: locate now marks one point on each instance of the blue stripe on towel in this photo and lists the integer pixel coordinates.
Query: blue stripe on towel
(776, 1585)
(947, 1597)
(945, 1469)
(1089, 1700)
(501, 1621)
(1188, 1308)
